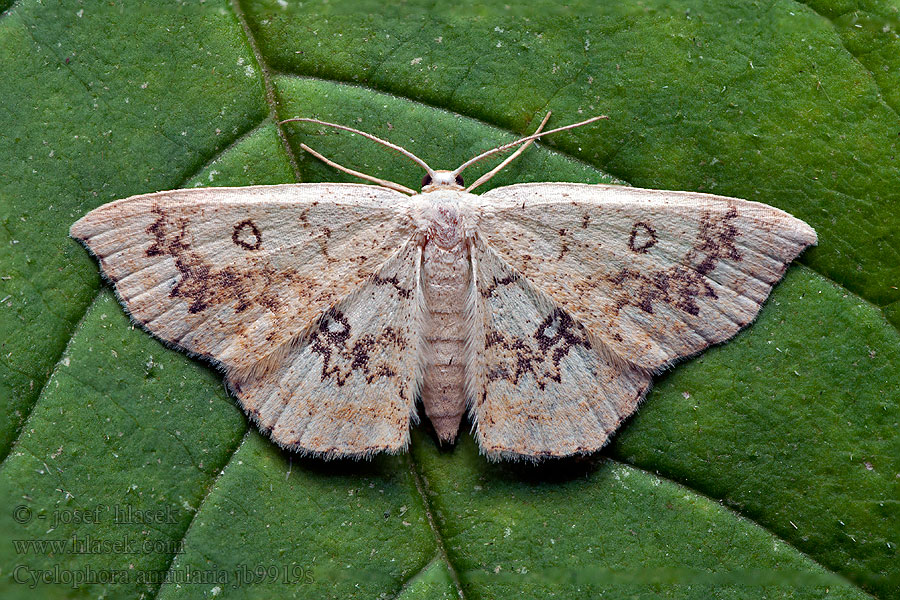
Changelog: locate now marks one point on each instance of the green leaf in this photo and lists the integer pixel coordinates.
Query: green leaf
(766, 467)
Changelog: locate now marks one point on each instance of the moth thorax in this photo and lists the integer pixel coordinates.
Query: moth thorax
(444, 228)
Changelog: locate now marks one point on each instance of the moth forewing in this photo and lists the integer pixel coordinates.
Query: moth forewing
(655, 275)
(237, 275)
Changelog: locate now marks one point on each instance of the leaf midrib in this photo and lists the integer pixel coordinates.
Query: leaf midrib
(433, 524)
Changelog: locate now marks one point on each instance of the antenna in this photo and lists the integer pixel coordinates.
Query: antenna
(402, 151)
(523, 140)
(384, 182)
(490, 174)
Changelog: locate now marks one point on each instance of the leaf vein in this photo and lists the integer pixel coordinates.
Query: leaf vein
(209, 491)
(738, 515)
(438, 536)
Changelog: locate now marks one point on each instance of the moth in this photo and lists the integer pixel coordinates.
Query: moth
(542, 309)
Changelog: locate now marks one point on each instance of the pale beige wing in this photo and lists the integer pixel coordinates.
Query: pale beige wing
(539, 386)
(305, 294)
(349, 387)
(235, 274)
(655, 275)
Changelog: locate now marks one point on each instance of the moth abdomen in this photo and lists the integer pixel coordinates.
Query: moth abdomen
(446, 280)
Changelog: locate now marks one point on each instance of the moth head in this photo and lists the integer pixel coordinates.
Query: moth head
(442, 180)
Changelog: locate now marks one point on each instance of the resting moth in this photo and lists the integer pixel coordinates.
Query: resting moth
(542, 309)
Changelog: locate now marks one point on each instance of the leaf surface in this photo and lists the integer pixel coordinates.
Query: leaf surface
(772, 460)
